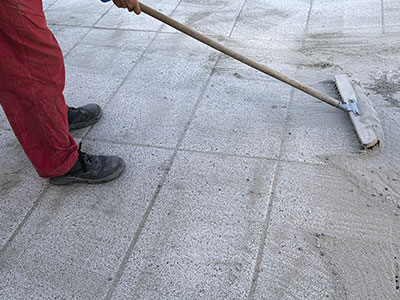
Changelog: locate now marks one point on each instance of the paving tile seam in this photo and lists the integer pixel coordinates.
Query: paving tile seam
(213, 36)
(309, 17)
(112, 96)
(277, 171)
(86, 34)
(347, 28)
(383, 16)
(264, 233)
(149, 208)
(237, 18)
(224, 154)
(105, 28)
(265, 226)
(137, 234)
(25, 219)
(143, 221)
(50, 5)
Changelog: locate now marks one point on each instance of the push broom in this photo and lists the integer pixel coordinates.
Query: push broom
(354, 100)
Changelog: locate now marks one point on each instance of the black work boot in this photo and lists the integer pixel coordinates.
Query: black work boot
(83, 116)
(92, 169)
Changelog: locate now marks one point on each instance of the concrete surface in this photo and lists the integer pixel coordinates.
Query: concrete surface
(237, 186)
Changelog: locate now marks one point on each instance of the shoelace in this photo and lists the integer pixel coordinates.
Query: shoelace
(84, 157)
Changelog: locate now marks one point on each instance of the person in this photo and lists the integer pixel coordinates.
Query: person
(32, 79)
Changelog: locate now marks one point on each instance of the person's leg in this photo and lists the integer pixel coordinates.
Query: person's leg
(32, 80)
(31, 87)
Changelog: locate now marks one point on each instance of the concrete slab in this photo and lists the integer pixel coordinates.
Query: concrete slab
(327, 131)
(48, 3)
(117, 18)
(239, 116)
(83, 88)
(207, 17)
(326, 242)
(344, 16)
(392, 29)
(202, 244)
(334, 53)
(282, 56)
(155, 111)
(4, 125)
(74, 242)
(19, 185)
(331, 228)
(67, 36)
(112, 52)
(76, 13)
(391, 12)
(272, 19)
(95, 78)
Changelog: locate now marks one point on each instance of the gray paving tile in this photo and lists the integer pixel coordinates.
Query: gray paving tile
(392, 29)
(344, 16)
(95, 78)
(239, 116)
(391, 12)
(117, 18)
(327, 55)
(20, 185)
(282, 56)
(67, 37)
(75, 12)
(207, 17)
(201, 237)
(318, 236)
(112, 52)
(327, 236)
(272, 19)
(73, 243)
(48, 3)
(154, 104)
(4, 125)
(83, 87)
(315, 130)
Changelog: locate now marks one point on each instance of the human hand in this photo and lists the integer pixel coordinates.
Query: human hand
(131, 5)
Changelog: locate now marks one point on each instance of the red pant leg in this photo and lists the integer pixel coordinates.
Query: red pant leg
(32, 80)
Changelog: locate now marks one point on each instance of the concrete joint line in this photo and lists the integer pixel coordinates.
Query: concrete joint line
(383, 16)
(143, 221)
(137, 234)
(224, 154)
(306, 31)
(237, 18)
(149, 208)
(283, 138)
(50, 5)
(112, 96)
(138, 231)
(264, 232)
(86, 34)
(24, 220)
(265, 226)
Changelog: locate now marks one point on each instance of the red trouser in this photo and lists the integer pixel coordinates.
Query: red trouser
(32, 78)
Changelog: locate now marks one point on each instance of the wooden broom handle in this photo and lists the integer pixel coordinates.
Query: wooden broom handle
(240, 57)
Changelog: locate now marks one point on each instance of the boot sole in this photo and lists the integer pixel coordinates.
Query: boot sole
(81, 125)
(73, 180)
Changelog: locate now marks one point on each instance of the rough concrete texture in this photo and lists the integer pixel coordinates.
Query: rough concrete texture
(237, 186)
